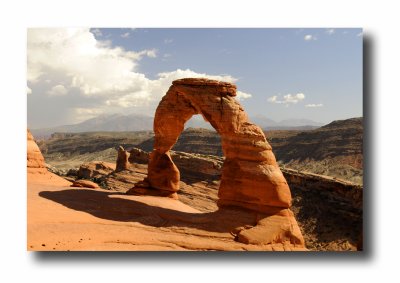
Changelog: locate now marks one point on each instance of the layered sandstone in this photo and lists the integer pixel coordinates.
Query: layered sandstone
(95, 169)
(340, 191)
(191, 163)
(35, 160)
(251, 177)
(36, 167)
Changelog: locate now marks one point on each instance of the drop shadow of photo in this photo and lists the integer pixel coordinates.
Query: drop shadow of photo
(129, 210)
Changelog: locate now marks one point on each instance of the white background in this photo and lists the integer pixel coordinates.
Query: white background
(380, 20)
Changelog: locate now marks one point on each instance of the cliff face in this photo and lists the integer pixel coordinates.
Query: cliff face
(73, 144)
(329, 211)
(344, 192)
(334, 149)
(339, 139)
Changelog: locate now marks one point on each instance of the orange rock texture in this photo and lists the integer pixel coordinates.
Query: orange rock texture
(122, 160)
(101, 220)
(250, 177)
(85, 184)
(36, 166)
(35, 160)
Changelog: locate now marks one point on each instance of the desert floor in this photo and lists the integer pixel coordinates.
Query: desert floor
(63, 218)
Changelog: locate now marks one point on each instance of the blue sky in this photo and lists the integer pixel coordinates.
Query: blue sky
(297, 73)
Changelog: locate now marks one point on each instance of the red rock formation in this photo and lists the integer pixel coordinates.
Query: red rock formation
(95, 169)
(35, 160)
(250, 177)
(122, 160)
(85, 184)
(36, 166)
(163, 173)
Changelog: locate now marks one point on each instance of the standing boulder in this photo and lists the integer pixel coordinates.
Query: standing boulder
(122, 160)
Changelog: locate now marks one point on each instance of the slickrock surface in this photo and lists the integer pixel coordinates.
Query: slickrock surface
(61, 218)
(124, 180)
(251, 177)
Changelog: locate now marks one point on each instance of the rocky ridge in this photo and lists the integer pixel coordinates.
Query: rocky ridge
(333, 150)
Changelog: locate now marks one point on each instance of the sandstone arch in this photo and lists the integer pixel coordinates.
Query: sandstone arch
(250, 177)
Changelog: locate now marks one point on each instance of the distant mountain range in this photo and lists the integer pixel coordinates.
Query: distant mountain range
(111, 123)
(135, 122)
(266, 123)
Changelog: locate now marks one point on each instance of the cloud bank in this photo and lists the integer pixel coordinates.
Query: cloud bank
(88, 77)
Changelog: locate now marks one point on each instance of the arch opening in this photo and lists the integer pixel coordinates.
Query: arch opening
(198, 121)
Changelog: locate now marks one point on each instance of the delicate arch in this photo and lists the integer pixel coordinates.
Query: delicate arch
(250, 176)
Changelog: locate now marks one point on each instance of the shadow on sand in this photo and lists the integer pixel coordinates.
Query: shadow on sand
(112, 206)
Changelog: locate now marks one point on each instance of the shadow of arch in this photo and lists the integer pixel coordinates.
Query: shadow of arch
(112, 206)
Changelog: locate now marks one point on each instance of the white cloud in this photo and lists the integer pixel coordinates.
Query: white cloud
(81, 61)
(125, 35)
(273, 99)
(99, 77)
(96, 32)
(28, 90)
(294, 98)
(179, 74)
(151, 53)
(309, 37)
(146, 97)
(314, 105)
(57, 90)
(151, 91)
(242, 95)
(287, 99)
(82, 114)
(330, 31)
(168, 40)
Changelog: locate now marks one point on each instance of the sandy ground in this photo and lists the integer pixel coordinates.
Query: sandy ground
(62, 218)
